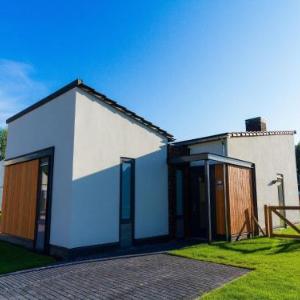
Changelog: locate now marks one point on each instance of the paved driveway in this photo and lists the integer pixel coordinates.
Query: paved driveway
(156, 276)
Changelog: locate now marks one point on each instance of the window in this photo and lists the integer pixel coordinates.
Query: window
(42, 204)
(127, 188)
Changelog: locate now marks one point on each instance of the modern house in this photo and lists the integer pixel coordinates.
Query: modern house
(85, 173)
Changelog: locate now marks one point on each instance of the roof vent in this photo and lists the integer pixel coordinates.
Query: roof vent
(256, 124)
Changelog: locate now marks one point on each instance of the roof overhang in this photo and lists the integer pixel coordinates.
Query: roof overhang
(79, 84)
(210, 156)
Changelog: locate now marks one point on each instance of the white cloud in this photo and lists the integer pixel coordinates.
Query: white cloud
(18, 88)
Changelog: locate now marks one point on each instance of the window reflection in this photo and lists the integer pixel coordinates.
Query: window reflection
(126, 189)
(42, 204)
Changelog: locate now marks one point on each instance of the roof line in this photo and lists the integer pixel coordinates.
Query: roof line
(45, 100)
(79, 84)
(210, 138)
(221, 136)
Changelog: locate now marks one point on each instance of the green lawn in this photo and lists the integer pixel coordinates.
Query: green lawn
(14, 258)
(275, 264)
(288, 230)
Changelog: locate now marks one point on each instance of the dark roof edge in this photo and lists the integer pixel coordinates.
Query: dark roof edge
(210, 138)
(79, 84)
(233, 135)
(45, 100)
(126, 111)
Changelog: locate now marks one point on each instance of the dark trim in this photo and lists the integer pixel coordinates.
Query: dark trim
(49, 202)
(226, 135)
(37, 208)
(210, 156)
(45, 100)
(255, 209)
(84, 251)
(208, 200)
(132, 200)
(44, 153)
(15, 240)
(79, 84)
(30, 156)
(205, 139)
(66, 253)
(152, 240)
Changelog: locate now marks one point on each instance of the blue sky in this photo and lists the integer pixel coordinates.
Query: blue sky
(193, 67)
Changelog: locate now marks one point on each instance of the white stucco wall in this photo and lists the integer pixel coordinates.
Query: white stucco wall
(272, 155)
(215, 147)
(50, 125)
(102, 136)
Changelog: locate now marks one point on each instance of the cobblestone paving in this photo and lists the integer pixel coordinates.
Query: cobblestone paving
(156, 276)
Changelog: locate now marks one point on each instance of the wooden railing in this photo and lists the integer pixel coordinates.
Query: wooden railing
(277, 210)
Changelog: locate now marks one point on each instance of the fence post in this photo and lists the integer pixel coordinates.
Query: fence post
(270, 222)
(267, 220)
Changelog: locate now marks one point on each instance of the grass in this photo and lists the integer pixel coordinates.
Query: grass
(275, 264)
(288, 230)
(14, 258)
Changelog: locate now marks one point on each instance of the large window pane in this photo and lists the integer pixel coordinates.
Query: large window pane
(126, 189)
(42, 205)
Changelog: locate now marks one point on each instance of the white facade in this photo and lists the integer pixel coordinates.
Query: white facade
(272, 155)
(216, 147)
(50, 125)
(90, 137)
(102, 136)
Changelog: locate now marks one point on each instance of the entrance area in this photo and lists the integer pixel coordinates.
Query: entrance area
(211, 198)
(26, 199)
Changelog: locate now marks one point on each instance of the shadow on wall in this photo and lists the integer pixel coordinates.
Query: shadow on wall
(96, 201)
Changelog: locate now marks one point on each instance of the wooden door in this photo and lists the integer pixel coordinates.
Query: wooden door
(20, 199)
(240, 194)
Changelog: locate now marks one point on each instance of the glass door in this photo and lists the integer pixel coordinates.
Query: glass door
(42, 201)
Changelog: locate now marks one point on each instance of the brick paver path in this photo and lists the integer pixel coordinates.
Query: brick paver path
(156, 276)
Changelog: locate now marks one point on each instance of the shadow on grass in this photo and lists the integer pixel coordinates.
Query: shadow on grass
(276, 247)
(288, 246)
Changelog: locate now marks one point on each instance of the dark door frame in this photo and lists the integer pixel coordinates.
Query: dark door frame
(40, 154)
(131, 220)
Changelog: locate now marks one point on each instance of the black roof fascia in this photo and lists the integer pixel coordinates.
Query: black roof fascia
(79, 84)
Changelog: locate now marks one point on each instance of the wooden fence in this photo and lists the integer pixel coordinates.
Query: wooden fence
(279, 212)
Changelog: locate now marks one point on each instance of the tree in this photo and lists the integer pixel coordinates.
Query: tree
(3, 142)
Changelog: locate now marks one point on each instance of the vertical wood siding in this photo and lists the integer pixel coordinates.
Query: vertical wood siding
(240, 192)
(19, 199)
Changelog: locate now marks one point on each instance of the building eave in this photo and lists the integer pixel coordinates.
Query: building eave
(79, 84)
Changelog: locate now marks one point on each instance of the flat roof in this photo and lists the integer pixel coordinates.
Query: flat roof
(210, 156)
(225, 135)
(79, 84)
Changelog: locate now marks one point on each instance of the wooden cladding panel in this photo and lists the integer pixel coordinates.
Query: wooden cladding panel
(19, 199)
(240, 194)
(220, 198)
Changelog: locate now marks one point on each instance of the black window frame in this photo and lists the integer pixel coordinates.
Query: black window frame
(132, 198)
(40, 154)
